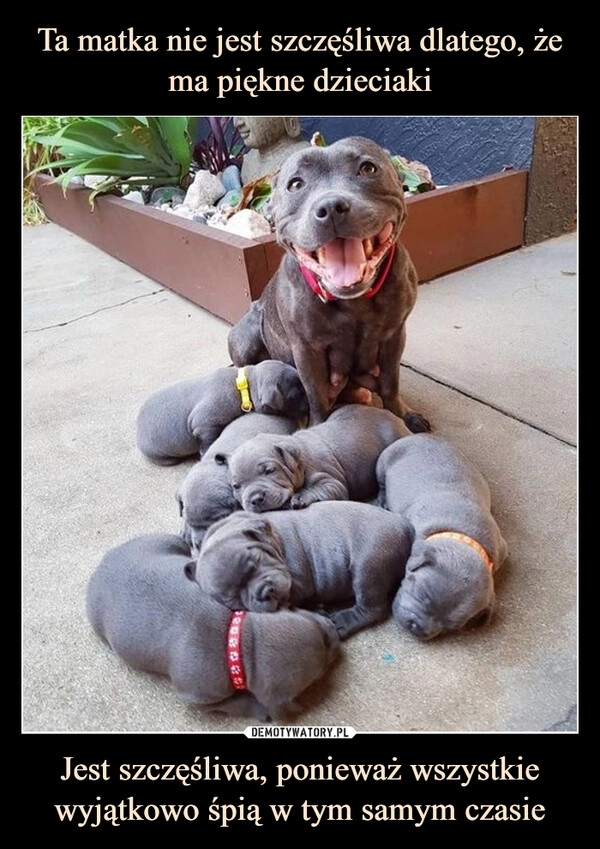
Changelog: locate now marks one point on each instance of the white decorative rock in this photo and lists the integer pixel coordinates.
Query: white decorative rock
(90, 181)
(182, 211)
(249, 224)
(135, 197)
(205, 190)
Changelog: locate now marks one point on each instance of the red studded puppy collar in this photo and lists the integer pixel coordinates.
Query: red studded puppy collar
(235, 664)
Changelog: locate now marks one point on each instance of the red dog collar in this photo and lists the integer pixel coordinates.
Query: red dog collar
(235, 664)
(324, 295)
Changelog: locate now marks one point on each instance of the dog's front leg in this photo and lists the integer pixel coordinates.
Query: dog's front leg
(245, 344)
(319, 486)
(390, 356)
(313, 368)
(353, 619)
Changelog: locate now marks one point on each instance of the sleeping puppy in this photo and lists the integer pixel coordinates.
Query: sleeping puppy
(333, 553)
(205, 495)
(328, 462)
(141, 602)
(449, 582)
(182, 420)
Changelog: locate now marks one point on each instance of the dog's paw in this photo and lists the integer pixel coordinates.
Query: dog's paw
(417, 423)
(299, 501)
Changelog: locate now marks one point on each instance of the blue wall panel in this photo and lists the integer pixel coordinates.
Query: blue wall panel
(454, 148)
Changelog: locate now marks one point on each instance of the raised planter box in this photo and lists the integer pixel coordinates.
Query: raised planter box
(446, 229)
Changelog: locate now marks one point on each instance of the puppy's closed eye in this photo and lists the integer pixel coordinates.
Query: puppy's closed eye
(267, 469)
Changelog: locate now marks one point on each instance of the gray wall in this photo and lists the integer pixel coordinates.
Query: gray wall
(454, 148)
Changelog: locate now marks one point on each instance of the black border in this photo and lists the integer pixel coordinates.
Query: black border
(465, 84)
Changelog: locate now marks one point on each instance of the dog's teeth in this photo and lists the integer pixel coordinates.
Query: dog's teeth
(368, 248)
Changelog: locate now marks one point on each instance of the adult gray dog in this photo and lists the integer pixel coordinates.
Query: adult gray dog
(457, 545)
(340, 554)
(182, 420)
(141, 602)
(205, 494)
(337, 306)
(328, 462)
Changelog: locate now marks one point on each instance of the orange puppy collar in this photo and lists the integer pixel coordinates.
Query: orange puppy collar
(468, 541)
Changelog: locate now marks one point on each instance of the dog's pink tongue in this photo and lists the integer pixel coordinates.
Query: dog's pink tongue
(344, 261)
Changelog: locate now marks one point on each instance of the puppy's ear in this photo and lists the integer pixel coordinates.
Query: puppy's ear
(289, 455)
(258, 530)
(420, 556)
(190, 570)
(273, 399)
(262, 532)
(481, 618)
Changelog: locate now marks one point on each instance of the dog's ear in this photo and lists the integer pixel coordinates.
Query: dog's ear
(273, 399)
(289, 455)
(481, 618)
(190, 571)
(258, 530)
(261, 531)
(420, 555)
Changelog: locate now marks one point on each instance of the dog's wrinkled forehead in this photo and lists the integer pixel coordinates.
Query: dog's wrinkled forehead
(341, 159)
(247, 458)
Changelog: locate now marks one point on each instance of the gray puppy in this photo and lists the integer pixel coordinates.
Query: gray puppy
(206, 495)
(337, 306)
(449, 580)
(334, 553)
(328, 462)
(141, 602)
(182, 420)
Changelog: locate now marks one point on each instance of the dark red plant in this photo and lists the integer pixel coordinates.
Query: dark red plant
(221, 146)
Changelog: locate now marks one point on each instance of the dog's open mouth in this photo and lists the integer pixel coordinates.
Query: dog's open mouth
(343, 263)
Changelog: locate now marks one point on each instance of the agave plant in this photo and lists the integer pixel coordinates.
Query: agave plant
(129, 152)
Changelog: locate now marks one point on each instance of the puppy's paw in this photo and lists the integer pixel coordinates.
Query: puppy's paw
(299, 501)
(344, 622)
(417, 423)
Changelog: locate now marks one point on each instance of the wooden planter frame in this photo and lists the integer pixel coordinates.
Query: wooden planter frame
(446, 229)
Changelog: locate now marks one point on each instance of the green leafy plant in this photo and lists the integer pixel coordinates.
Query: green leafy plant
(37, 156)
(222, 145)
(415, 176)
(128, 152)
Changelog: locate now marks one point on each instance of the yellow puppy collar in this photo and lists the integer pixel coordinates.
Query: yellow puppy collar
(468, 541)
(241, 383)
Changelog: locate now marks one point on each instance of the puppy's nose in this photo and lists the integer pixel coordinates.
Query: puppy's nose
(332, 207)
(415, 628)
(257, 498)
(266, 593)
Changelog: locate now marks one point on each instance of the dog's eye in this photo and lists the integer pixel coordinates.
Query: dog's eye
(295, 184)
(367, 168)
(236, 486)
(268, 470)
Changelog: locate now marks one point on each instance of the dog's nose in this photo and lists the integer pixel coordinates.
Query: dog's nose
(415, 628)
(333, 207)
(257, 498)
